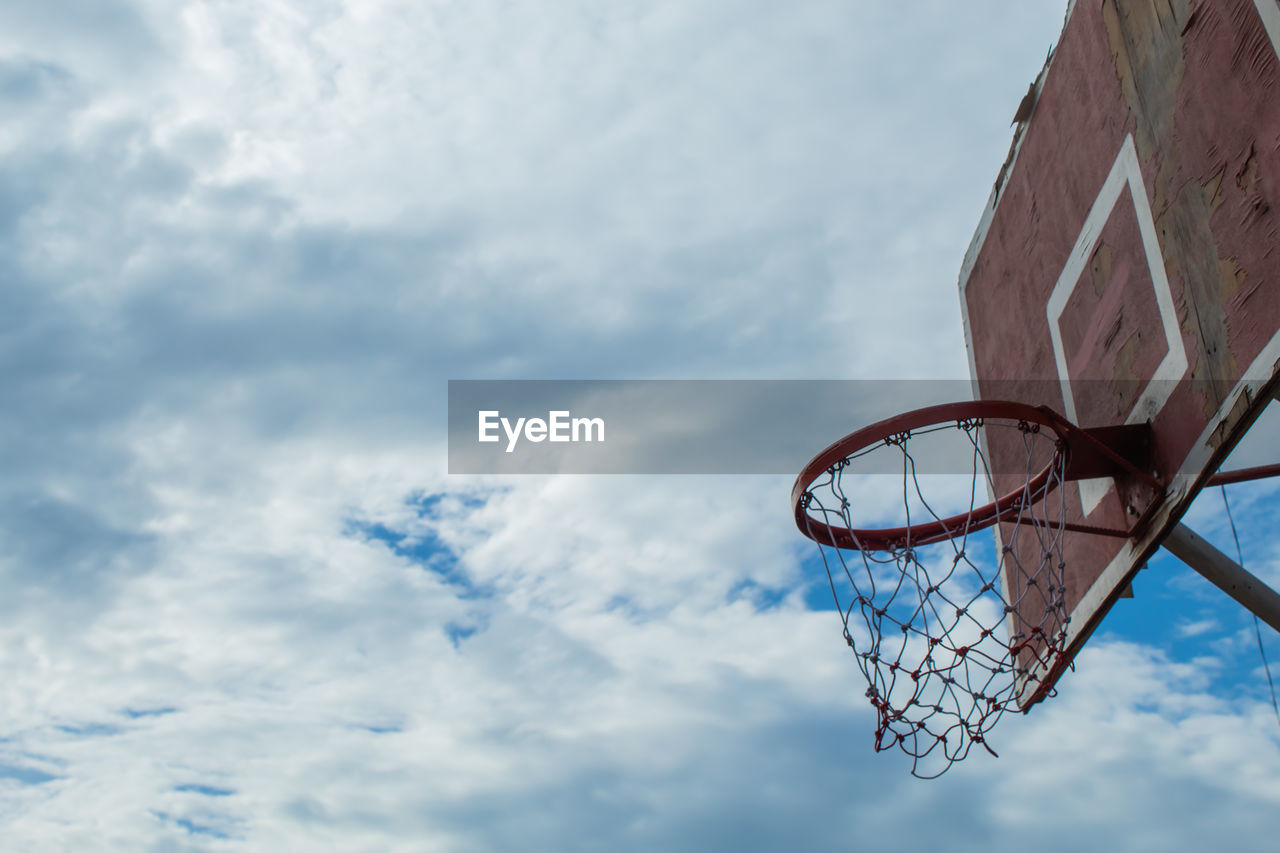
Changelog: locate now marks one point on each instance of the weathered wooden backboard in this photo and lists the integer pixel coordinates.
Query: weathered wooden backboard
(1127, 268)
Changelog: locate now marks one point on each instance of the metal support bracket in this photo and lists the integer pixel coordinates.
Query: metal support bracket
(1225, 573)
(1122, 452)
(1110, 451)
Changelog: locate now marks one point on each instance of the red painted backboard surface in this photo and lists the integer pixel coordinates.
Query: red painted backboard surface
(1127, 268)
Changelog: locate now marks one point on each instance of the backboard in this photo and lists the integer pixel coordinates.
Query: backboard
(1127, 267)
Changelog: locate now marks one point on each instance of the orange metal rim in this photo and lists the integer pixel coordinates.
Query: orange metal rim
(884, 539)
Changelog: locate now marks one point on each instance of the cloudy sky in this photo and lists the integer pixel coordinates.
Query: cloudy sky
(243, 248)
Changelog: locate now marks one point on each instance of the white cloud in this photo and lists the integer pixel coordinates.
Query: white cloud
(1197, 627)
(1131, 736)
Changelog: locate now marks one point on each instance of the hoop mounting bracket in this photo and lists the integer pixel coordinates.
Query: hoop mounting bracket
(1089, 458)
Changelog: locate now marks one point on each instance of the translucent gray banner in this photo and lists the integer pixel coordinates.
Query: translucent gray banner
(742, 426)
(671, 426)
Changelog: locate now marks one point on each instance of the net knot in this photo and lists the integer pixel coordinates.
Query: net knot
(898, 439)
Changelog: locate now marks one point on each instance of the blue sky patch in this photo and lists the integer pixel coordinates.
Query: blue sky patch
(429, 505)
(25, 775)
(205, 790)
(762, 597)
(90, 730)
(457, 633)
(425, 549)
(191, 826)
(139, 713)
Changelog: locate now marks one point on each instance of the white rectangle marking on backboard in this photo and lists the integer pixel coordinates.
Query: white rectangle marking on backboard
(1269, 11)
(1125, 172)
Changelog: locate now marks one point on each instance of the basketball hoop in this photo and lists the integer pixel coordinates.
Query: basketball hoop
(1073, 293)
(942, 631)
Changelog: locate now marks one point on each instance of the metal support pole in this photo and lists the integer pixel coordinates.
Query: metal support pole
(1225, 573)
(1241, 475)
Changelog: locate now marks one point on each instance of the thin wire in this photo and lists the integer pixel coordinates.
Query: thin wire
(1257, 630)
